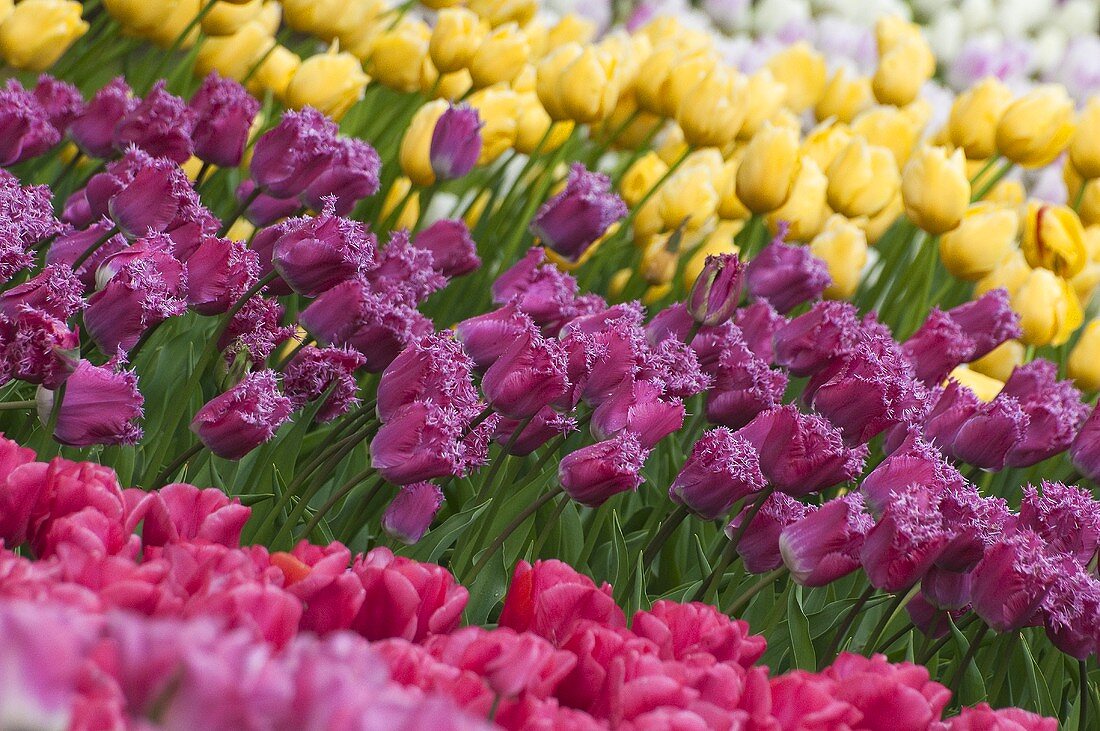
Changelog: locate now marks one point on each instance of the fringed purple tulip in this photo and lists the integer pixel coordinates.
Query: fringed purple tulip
(66, 248)
(615, 346)
(672, 323)
(265, 210)
(1071, 613)
(1066, 517)
(1085, 450)
(540, 290)
(140, 287)
(744, 386)
(422, 441)
(25, 129)
(674, 365)
(236, 422)
(410, 514)
(905, 541)
(593, 474)
(528, 376)
(986, 438)
(545, 425)
(26, 219)
(824, 546)
(37, 348)
(988, 321)
(1054, 411)
(938, 347)
(101, 405)
(55, 291)
(945, 589)
(255, 330)
(454, 252)
(638, 406)
(313, 371)
(759, 544)
(288, 158)
(433, 367)
(759, 322)
(223, 112)
(93, 130)
(61, 101)
(315, 253)
(721, 469)
(404, 271)
(456, 142)
(351, 176)
(801, 453)
(1011, 582)
(929, 619)
(785, 276)
(571, 221)
(717, 290)
(952, 406)
(352, 314)
(974, 522)
(914, 462)
(161, 125)
(219, 273)
(812, 340)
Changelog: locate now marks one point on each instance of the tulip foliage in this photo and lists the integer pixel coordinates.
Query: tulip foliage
(537, 379)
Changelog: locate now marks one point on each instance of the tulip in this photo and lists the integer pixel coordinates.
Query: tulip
(161, 125)
(768, 96)
(992, 431)
(550, 599)
(545, 425)
(421, 441)
(1048, 307)
(486, 337)
(218, 274)
(907, 538)
(224, 113)
(27, 129)
(824, 545)
(235, 55)
(1084, 152)
(711, 115)
(935, 190)
(227, 17)
(500, 56)
(887, 127)
(1054, 410)
(759, 544)
(744, 385)
(93, 130)
(721, 469)
(767, 169)
(595, 473)
(275, 71)
(61, 101)
(758, 323)
(641, 177)
(541, 291)
(637, 407)
(350, 177)
(975, 113)
(37, 348)
(455, 39)
(805, 211)
(1036, 128)
(100, 406)
(456, 143)
(313, 371)
(526, 377)
(330, 82)
(236, 422)
(406, 599)
(785, 276)
(814, 339)
(1000, 361)
(1054, 239)
(844, 97)
(498, 108)
(984, 238)
(288, 158)
(409, 515)
(1084, 359)
(988, 321)
(1070, 611)
(398, 53)
(690, 68)
(1067, 517)
(717, 291)
(938, 347)
(454, 253)
(548, 79)
(903, 68)
(687, 198)
(1010, 583)
(314, 254)
(862, 179)
(38, 32)
(843, 247)
(535, 130)
(571, 221)
(802, 71)
(55, 291)
(415, 151)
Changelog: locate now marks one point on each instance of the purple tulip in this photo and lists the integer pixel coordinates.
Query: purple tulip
(905, 541)
(313, 371)
(289, 157)
(992, 431)
(55, 291)
(409, 515)
(988, 321)
(759, 322)
(255, 330)
(824, 546)
(486, 337)
(540, 290)
(938, 347)
(974, 523)
(161, 125)
(66, 248)
(945, 589)
(61, 101)
(234, 423)
(264, 209)
(420, 442)
(25, 129)
(404, 272)
(721, 469)
(571, 221)
(456, 142)
(1009, 585)
(37, 348)
(219, 273)
(315, 253)
(599, 471)
(744, 386)
(717, 290)
(528, 376)
(638, 406)
(1071, 613)
(351, 176)
(545, 425)
(431, 368)
(759, 544)
(1066, 517)
(1054, 409)
(454, 252)
(812, 340)
(914, 462)
(223, 112)
(100, 406)
(26, 219)
(952, 406)
(93, 130)
(674, 365)
(1085, 450)
(785, 276)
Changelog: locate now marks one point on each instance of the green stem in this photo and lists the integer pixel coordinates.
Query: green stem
(487, 555)
(241, 209)
(94, 247)
(14, 405)
(730, 552)
(846, 625)
(175, 464)
(338, 494)
(675, 518)
(884, 621)
(983, 191)
(765, 581)
(960, 672)
(1083, 682)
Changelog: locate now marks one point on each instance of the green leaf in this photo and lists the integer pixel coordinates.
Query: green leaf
(486, 590)
(802, 647)
(972, 689)
(439, 539)
(572, 535)
(1037, 682)
(619, 552)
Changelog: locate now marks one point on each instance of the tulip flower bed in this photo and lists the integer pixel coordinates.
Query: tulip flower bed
(476, 371)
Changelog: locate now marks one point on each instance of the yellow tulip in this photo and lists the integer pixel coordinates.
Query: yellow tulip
(975, 113)
(767, 169)
(397, 55)
(136, 16)
(313, 17)
(499, 110)
(617, 284)
(824, 142)
(902, 70)
(477, 209)
(1084, 146)
(805, 211)
(1001, 361)
(275, 73)
(983, 386)
(688, 198)
(548, 77)
(890, 128)
(572, 28)
(226, 18)
(330, 82)
(235, 55)
(1085, 282)
(984, 238)
(658, 265)
(1010, 274)
(648, 221)
(440, 4)
(1054, 238)
(500, 12)
(532, 126)
(718, 241)
(399, 195)
(628, 127)
(656, 293)
(670, 144)
(683, 77)
(588, 88)
(241, 230)
(877, 225)
(6, 8)
(173, 25)
(1036, 128)
(712, 113)
(935, 189)
(640, 178)
(414, 155)
(360, 25)
(891, 30)
(652, 74)
(802, 70)
(1092, 242)
(1083, 365)
(38, 32)
(500, 57)
(1048, 308)
(844, 96)
(451, 86)
(1007, 193)
(730, 208)
(270, 16)
(765, 97)
(862, 179)
(843, 247)
(457, 34)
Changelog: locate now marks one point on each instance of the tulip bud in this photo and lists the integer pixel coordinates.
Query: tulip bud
(234, 55)
(824, 545)
(687, 198)
(398, 54)
(902, 70)
(236, 422)
(843, 248)
(224, 113)
(1048, 307)
(498, 109)
(275, 72)
(767, 97)
(570, 222)
(528, 376)
(890, 128)
(289, 157)
(805, 211)
(1084, 146)
(802, 70)
(640, 177)
(1054, 239)
(1084, 359)
(455, 38)
(1011, 581)
(500, 57)
(588, 86)
(844, 97)
(409, 515)
(415, 151)
(711, 115)
(38, 32)
(453, 250)
(935, 189)
(767, 169)
(690, 68)
(717, 291)
(1001, 361)
(785, 276)
(456, 142)
(593, 474)
(862, 179)
(975, 114)
(721, 469)
(226, 18)
(100, 406)
(983, 239)
(1036, 128)
(330, 82)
